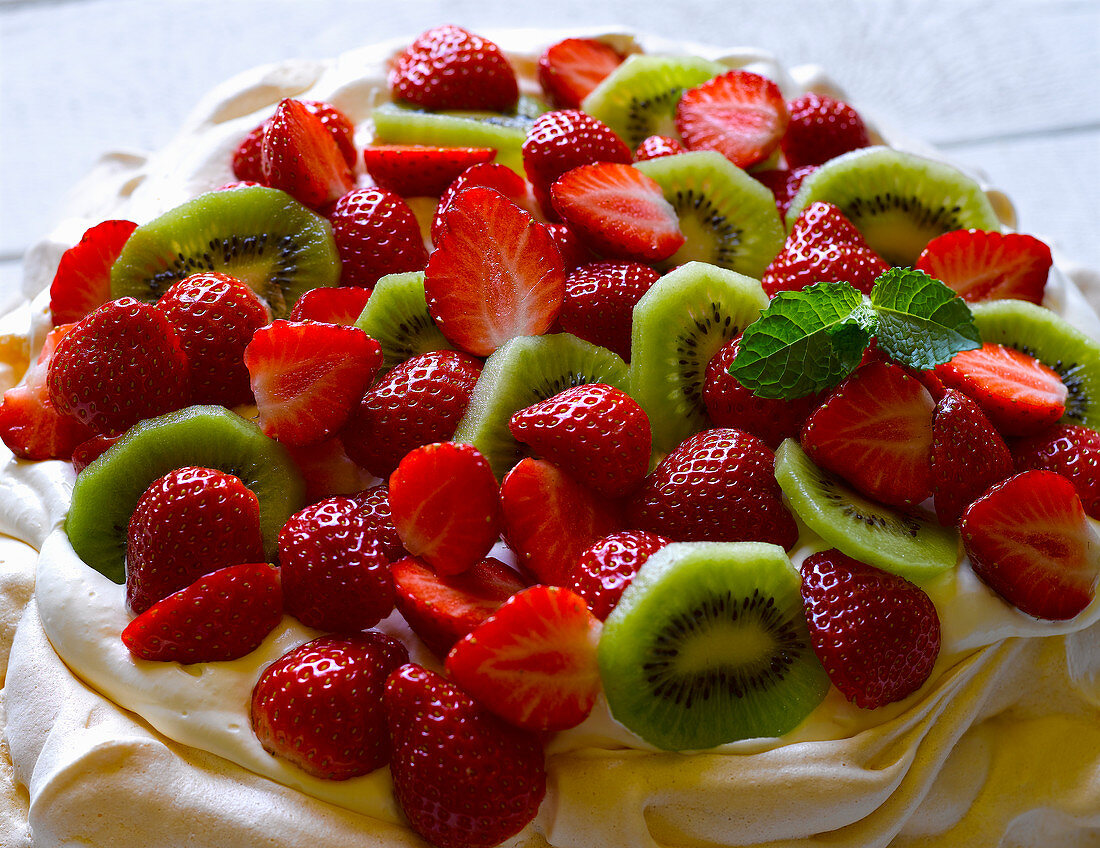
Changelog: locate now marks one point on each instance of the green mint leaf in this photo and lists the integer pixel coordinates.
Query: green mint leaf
(804, 342)
(921, 322)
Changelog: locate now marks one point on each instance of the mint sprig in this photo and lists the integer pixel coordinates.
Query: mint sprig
(808, 341)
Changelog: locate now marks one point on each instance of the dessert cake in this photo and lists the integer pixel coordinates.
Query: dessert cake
(996, 744)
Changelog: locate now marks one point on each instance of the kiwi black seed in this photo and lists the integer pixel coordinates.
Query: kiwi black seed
(709, 645)
(396, 316)
(259, 235)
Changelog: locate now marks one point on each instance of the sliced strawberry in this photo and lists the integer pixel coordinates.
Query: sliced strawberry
(495, 274)
(607, 567)
(533, 661)
(327, 469)
(331, 305)
(446, 505)
(1020, 394)
(599, 302)
(988, 266)
(308, 376)
(784, 184)
(740, 114)
(376, 233)
(1029, 540)
(300, 156)
(875, 431)
(821, 128)
(248, 157)
(1070, 450)
(491, 175)
(570, 69)
(549, 518)
(619, 212)
(656, 146)
(420, 171)
(83, 280)
(223, 615)
(441, 610)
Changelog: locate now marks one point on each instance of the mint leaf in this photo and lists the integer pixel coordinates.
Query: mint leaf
(804, 342)
(921, 322)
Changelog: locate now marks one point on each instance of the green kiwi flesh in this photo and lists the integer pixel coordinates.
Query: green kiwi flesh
(912, 547)
(107, 491)
(523, 371)
(678, 327)
(727, 218)
(709, 645)
(261, 236)
(897, 200)
(1040, 333)
(396, 316)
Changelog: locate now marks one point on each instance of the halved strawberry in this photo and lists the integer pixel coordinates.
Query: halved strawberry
(300, 156)
(421, 171)
(331, 305)
(374, 510)
(83, 279)
(618, 211)
(740, 114)
(248, 157)
(1029, 540)
(988, 266)
(307, 377)
(571, 68)
(327, 469)
(1069, 449)
(91, 449)
(533, 661)
(495, 274)
(491, 175)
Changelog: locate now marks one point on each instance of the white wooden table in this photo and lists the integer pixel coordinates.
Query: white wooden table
(1007, 86)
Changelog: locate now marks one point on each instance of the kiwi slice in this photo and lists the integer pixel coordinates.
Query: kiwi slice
(679, 325)
(523, 371)
(396, 316)
(897, 200)
(638, 99)
(727, 217)
(709, 645)
(913, 547)
(107, 491)
(259, 235)
(1040, 333)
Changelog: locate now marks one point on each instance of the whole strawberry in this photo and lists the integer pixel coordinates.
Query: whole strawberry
(1069, 449)
(374, 512)
(607, 567)
(599, 302)
(376, 233)
(463, 777)
(820, 129)
(877, 634)
(320, 705)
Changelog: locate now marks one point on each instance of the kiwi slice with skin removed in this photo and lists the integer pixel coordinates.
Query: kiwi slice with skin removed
(912, 547)
(678, 327)
(396, 316)
(709, 645)
(523, 371)
(261, 236)
(107, 491)
(727, 217)
(897, 200)
(638, 99)
(1040, 333)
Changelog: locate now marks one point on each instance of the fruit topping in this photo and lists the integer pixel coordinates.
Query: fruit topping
(376, 233)
(784, 184)
(374, 511)
(300, 156)
(83, 280)
(248, 158)
(821, 128)
(657, 146)
(490, 175)
(599, 302)
(606, 567)
(1070, 450)
(570, 69)
(412, 170)
(341, 305)
(988, 265)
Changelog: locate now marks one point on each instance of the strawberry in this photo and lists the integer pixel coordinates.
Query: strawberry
(1020, 394)
(83, 280)
(224, 615)
(30, 425)
(117, 366)
(729, 404)
(618, 211)
(214, 316)
(1029, 540)
(968, 455)
(327, 469)
(374, 512)
(334, 574)
(1070, 450)
(573, 251)
(248, 158)
(491, 175)
(599, 302)
(308, 376)
(549, 518)
(875, 431)
(448, 67)
(445, 505)
(877, 634)
(319, 705)
(301, 157)
(717, 486)
(740, 114)
(188, 523)
(571, 68)
(820, 129)
(533, 661)
(606, 567)
(656, 146)
(331, 305)
(91, 449)
(495, 273)
(463, 777)
(784, 184)
(376, 234)
(988, 266)
(419, 171)
(597, 434)
(416, 403)
(441, 610)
